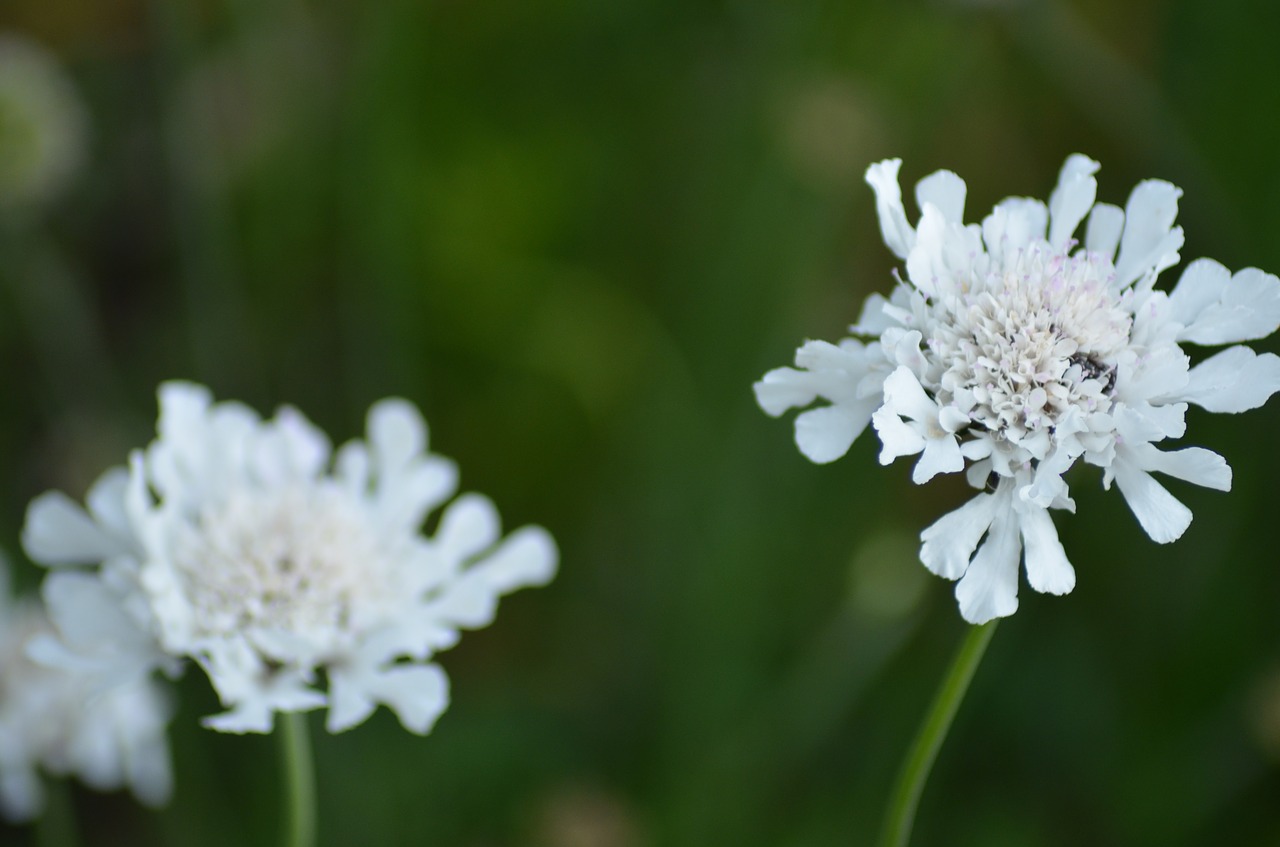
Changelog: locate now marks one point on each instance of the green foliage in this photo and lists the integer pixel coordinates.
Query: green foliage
(574, 233)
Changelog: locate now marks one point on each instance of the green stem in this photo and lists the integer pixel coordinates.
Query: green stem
(915, 768)
(56, 827)
(299, 774)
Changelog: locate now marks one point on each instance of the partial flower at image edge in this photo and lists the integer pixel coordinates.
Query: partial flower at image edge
(253, 549)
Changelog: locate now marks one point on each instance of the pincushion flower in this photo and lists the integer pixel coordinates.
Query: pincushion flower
(244, 545)
(1012, 352)
(72, 721)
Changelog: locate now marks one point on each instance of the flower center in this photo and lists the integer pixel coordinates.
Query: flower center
(1018, 343)
(291, 562)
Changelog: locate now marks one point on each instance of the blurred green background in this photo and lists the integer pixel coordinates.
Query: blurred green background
(575, 233)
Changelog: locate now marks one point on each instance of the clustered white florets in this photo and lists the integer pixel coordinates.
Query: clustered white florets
(246, 546)
(72, 721)
(1011, 352)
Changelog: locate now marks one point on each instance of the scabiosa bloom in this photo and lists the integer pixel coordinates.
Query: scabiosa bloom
(243, 545)
(1011, 352)
(72, 721)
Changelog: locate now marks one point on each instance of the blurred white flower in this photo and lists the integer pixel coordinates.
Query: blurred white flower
(1012, 353)
(42, 125)
(72, 722)
(237, 542)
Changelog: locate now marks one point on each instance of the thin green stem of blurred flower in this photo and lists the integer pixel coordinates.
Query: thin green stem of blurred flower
(56, 826)
(300, 780)
(901, 813)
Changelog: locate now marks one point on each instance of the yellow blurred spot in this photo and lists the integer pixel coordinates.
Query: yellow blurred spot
(886, 579)
(829, 129)
(587, 816)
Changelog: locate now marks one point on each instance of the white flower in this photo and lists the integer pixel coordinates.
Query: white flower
(1011, 352)
(244, 545)
(42, 125)
(72, 722)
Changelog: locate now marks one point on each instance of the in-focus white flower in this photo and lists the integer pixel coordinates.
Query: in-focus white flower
(1011, 352)
(72, 722)
(42, 125)
(244, 545)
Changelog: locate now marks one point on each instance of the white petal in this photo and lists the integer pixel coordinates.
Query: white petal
(245, 717)
(1161, 373)
(898, 438)
(848, 357)
(786, 388)
(946, 191)
(149, 770)
(106, 501)
(350, 701)
(1102, 235)
(1160, 513)
(418, 694)
(183, 406)
(258, 699)
(1200, 286)
(989, 588)
(952, 419)
(1072, 199)
(827, 370)
(289, 447)
(977, 473)
(1193, 464)
(902, 347)
(89, 617)
(898, 234)
(527, 557)
(941, 455)
(1013, 224)
(1234, 380)
(405, 499)
(396, 432)
(1134, 424)
(21, 793)
(351, 467)
(202, 447)
(1048, 486)
(58, 532)
(1245, 308)
(1048, 570)
(873, 319)
(49, 650)
(305, 446)
(949, 543)
(467, 602)
(904, 396)
(469, 526)
(1149, 241)
(824, 435)
(926, 263)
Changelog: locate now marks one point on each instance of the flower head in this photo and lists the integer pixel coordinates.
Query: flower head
(72, 721)
(245, 545)
(42, 125)
(1011, 352)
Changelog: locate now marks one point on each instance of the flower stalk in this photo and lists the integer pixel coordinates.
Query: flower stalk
(300, 780)
(56, 827)
(901, 812)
